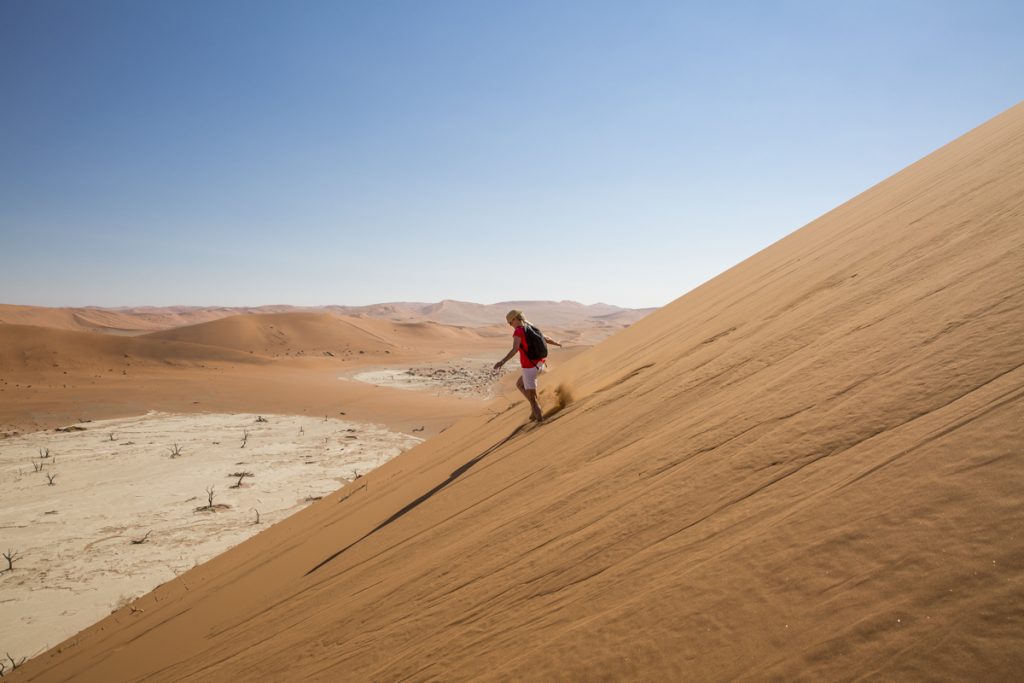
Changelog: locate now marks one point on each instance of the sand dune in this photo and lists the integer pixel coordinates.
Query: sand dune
(806, 469)
(40, 349)
(282, 334)
(78, 319)
(303, 334)
(240, 338)
(129, 321)
(282, 363)
(593, 322)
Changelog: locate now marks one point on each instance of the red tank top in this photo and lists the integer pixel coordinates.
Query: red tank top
(524, 360)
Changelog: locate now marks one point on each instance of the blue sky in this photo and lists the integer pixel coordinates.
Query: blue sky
(310, 153)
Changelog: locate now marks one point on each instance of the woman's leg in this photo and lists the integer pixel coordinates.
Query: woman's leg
(531, 395)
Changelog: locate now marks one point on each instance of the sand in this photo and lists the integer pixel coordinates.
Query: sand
(115, 478)
(116, 481)
(806, 469)
(285, 363)
(569, 321)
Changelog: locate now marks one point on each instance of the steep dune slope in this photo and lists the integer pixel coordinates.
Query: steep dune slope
(807, 469)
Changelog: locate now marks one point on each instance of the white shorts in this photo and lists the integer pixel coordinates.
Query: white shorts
(530, 376)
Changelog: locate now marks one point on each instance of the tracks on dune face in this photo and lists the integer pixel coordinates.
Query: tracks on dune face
(456, 473)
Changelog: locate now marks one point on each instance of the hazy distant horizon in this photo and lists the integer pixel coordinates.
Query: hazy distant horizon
(339, 305)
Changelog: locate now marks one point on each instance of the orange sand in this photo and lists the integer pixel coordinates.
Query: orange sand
(806, 469)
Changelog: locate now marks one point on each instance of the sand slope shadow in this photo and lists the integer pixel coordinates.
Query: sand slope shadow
(422, 499)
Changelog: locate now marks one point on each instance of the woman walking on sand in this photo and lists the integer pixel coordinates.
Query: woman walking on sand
(532, 359)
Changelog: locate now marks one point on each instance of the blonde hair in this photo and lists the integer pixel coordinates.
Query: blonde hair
(515, 314)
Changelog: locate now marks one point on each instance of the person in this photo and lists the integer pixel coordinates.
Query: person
(527, 383)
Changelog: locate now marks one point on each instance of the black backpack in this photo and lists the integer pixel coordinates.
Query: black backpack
(536, 347)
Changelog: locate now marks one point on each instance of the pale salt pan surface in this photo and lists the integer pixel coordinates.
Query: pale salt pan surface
(468, 377)
(74, 538)
(398, 379)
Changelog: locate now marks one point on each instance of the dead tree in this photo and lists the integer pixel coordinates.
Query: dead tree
(50, 478)
(111, 436)
(241, 476)
(260, 418)
(209, 496)
(175, 451)
(44, 453)
(140, 541)
(14, 664)
(37, 466)
(245, 437)
(257, 515)
(11, 556)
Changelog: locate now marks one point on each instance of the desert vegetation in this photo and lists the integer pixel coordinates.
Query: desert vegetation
(92, 470)
(140, 541)
(241, 475)
(11, 556)
(14, 664)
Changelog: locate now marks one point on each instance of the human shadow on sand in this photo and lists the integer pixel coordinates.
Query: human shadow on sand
(422, 499)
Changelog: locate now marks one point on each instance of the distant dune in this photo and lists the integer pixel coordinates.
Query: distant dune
(580, 324)
(113, 320)
(77, 319)
(269, 362)
(277, 334)
(556, 314)
(807, 469)
(26, 348)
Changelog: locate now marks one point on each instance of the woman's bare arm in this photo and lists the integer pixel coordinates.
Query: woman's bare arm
(514, 351)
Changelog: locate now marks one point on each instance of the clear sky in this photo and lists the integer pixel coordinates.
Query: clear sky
(309, 153)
